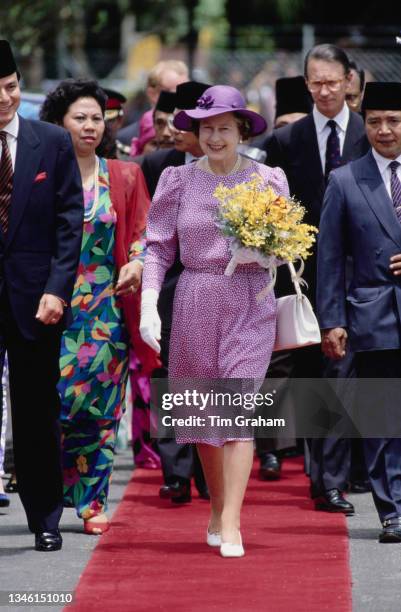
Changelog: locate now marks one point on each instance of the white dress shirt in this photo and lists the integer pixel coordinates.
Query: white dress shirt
(383, 163)
(323, 130)
(12, 129)
(189, 158)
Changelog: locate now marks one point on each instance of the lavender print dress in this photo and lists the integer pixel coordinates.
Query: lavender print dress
(219, 331)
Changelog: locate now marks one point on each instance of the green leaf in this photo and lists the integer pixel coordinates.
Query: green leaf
(78, 493)
(85, 450)
(95, 411)
(102, 275)
(77, 404)
(85, 239)
(66, 359)
(107, 356)
(85, 287)
(81, 337)
(112, 398)
(107, 453)
(69, 391)
(98, 359)
(90, 481)
(121, 345)
(97, 250)
(71, 345)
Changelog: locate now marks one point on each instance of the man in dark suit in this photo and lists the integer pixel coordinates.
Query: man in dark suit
(293, 102)
(307, 151)
(41, 219)
(179, 461)
(362, 217)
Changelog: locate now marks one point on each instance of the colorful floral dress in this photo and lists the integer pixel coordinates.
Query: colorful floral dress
(93, 363)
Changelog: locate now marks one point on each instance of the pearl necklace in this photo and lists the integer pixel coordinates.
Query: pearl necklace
(90, 214)
(234, 169)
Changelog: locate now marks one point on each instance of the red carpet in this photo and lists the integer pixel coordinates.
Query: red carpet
(154, 556)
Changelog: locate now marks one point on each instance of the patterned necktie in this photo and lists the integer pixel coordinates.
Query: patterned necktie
(6, 181)
(333, 155)
(395, 187)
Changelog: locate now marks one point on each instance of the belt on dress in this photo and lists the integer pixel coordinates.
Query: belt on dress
(220, 270)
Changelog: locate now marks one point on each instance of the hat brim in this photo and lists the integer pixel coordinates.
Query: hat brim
(184, 119)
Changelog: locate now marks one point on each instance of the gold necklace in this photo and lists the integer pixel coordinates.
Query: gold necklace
(90, 214)
(234, 169)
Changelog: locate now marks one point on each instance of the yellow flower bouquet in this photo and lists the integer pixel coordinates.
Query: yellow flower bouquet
(264, 227)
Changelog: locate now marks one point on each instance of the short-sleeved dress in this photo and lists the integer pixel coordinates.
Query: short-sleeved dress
(219, 331)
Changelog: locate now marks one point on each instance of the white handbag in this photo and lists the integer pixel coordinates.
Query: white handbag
(297, 325)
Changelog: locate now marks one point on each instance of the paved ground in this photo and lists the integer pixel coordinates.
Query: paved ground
(376, 568)
(24, 569)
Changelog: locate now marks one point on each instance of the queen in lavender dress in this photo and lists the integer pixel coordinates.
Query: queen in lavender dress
(219, 330)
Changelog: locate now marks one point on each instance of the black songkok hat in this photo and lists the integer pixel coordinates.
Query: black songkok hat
(189, 93)
(166, 102)
(382, 96)
(292, 96)
(7, 61)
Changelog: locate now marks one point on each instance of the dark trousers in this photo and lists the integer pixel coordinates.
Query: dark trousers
(35, 407)
(179, 461)
(329, 457)
(383, 455)
(280, 370)
(2, 357)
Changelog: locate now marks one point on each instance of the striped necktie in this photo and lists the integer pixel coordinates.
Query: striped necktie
(6, 181)
(333, 155)
(395, 187)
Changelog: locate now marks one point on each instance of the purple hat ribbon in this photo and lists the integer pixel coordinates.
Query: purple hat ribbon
(206, 102)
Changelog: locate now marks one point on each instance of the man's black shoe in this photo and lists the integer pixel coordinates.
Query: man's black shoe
(11, 486)
(179, 492)
(46, 541)
(4, 500)
(360, 486)
(270, 467)
(391, 531)
(333, 501)
(204, 492)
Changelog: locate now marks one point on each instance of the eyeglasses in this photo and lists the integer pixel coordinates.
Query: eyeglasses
(315, 86)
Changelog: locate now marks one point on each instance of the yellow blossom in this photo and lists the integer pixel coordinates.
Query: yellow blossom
(256, 217)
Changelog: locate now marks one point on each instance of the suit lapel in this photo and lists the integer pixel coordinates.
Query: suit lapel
(311, 156)
(353, 136)
(372, 186)
(26, 165)
(177, 158)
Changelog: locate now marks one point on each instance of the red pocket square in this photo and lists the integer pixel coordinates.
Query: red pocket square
(40, 177)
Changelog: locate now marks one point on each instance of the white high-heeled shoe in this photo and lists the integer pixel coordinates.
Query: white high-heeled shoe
(213, 539)
(232, 550)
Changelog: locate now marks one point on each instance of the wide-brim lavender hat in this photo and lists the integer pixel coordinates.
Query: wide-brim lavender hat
(217, 100)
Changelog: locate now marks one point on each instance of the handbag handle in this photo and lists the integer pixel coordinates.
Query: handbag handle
(296, 276)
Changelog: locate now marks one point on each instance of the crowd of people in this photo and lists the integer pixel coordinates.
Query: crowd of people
(112, 270)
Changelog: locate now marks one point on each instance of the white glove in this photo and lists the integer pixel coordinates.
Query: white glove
(243, 255)
(150, 325)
